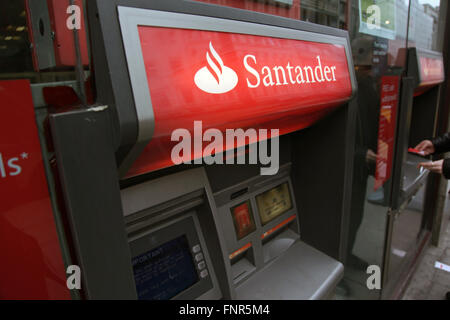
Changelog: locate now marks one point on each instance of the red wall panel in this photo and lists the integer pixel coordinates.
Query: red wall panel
(31, 261)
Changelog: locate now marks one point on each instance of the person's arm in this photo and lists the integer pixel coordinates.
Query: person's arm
(441, 144)
(437, 145)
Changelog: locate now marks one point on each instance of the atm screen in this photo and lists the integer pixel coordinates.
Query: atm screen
(274, 203)
(165, 271)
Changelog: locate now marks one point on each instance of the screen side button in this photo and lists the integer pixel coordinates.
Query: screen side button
(199, 257)
(196, 248)
(201, 265)
(204, 273)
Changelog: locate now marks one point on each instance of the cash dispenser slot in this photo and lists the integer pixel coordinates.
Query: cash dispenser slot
(279, 241)
(242, 263)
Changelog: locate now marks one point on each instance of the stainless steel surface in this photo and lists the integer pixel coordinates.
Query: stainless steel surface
(302, 272)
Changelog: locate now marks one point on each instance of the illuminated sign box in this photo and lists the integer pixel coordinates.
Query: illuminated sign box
(227, 74)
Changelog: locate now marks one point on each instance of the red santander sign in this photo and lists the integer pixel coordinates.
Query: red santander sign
(228, 80)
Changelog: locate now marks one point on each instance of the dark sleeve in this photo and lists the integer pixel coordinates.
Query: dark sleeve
(446, 168)
(442, 144)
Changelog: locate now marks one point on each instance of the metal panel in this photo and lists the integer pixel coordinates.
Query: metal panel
(301, 273)
(42, 34)
(322, 188)
(90, 186)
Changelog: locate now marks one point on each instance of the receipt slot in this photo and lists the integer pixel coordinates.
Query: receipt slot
(146, 226)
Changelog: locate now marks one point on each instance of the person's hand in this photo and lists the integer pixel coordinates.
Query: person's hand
(433, 166)
(426, 146)
(371, 156)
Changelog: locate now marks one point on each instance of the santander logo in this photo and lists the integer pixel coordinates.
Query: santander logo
(215, 77)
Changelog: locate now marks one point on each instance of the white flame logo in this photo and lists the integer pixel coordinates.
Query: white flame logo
(215, 77)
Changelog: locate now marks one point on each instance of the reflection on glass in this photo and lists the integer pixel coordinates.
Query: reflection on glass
(378, 32)
(331, 13)
(378, 18)
(29, 43)
(14, 44)
(424, 27)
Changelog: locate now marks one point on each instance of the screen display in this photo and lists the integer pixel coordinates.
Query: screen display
(243, 219)
(165, 271)
(273, 203)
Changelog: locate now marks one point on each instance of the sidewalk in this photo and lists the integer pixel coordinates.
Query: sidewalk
(428, 282)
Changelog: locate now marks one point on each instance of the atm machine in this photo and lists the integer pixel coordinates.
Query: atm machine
(412, 195)
(418, 117)
(142, 226)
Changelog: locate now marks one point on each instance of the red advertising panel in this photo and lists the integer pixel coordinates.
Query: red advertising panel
(31, 263)
(386, 129)
(229, 80)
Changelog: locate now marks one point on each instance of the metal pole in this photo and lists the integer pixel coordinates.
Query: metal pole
(79, 69)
